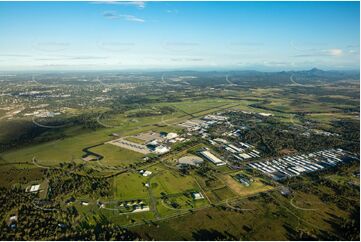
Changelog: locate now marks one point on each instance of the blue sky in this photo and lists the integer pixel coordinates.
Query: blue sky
(179, 35)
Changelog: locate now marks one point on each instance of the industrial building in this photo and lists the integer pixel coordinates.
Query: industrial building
(214, 159)
(296, 165)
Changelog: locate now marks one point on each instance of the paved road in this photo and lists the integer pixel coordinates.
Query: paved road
(293, 81)
(48, 126)
(229, 82)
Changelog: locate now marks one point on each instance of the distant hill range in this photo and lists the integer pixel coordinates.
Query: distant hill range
(250, 77)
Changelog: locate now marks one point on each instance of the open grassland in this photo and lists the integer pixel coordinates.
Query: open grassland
(135, 140)
(178, 205)
(329, 117)
(183, 110)
(213, 223)
(220, 194)
(268, 217)
(256, 186)
(299, 105)
(129, 186)
(123, 123)
(194, 106)
(116, 156)
(169, 182)
(51, 153)
(128, 218)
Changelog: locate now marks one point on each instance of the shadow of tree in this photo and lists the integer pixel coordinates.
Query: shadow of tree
(206, 235)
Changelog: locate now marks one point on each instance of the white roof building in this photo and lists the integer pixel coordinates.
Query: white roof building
(35, 188)
(161, 150)
(13, 218)
(171, 135)
(265, 114)
(197, 195)
(153, 142)
(147, 173)
(215, 160)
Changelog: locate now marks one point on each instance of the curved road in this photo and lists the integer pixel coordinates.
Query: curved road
(48, 126)
(103, 124)
(304, 209)
(293, 81)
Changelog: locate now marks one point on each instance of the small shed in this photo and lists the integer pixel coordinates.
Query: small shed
(197, 195)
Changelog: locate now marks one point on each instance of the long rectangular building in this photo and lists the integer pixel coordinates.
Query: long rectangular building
(214, 159)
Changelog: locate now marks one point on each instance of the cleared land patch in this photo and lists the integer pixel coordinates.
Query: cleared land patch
(255, 187)
(130, 186)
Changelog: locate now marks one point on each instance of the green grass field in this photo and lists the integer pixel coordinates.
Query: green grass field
(328, 117)
(170, 182)
(129, 186)
(135, 140)
(51, 153)
(116, 156)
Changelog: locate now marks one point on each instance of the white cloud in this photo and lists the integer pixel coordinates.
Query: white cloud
(138, 4)
(316, 49)
(335, 52)
(131, 18)
(127, 17)
(172, 11)
(110, 15)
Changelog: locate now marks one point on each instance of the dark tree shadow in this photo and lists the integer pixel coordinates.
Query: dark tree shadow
(206, 235)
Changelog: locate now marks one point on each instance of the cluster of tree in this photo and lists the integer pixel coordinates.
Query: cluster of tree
(87, 120)
(350, 227)
(272, 137)
(63, 182)
(12, 198)
(350, 132)
(205, 170)
(37, 224)
(166, 110)
(147, 113)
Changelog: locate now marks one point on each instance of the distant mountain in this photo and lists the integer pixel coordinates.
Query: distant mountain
(331, 75)
(316, 71)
